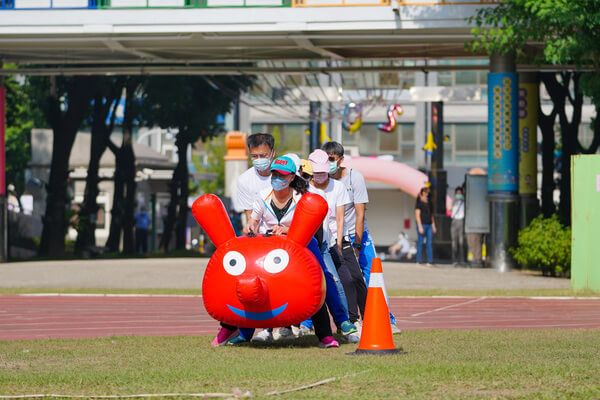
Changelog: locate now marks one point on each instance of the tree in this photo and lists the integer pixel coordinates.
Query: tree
(107, 92)
(64, 102)
(122, 213)
(559, 32)
(19, 122)
(190, 104)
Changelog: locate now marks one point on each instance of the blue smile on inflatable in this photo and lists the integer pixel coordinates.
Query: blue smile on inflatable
(261, 316)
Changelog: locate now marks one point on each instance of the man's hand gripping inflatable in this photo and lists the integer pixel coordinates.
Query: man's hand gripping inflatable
(262, 281)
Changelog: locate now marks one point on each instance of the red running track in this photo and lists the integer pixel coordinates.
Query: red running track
(43, 317)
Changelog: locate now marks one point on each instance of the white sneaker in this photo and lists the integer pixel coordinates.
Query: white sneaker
(350, 338)
(286, 333)
(263, 336)
(396, 330)
(358, 325)
(304, 330)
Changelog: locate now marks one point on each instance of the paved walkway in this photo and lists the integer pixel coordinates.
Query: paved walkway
(182, 273)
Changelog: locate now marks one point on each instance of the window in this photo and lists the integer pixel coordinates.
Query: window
(466, 144)
(373, 142)
(288, 137)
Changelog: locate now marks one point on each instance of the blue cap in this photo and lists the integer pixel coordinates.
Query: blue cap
(283, 165)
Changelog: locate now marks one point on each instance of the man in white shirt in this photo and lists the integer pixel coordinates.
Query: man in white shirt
(457, 227)
(355, 220)
(258, 177)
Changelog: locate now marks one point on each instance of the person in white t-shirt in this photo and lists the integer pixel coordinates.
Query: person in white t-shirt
(457, 228)
(357, 236)
(258, 177)
(333, 230)
(400, 249)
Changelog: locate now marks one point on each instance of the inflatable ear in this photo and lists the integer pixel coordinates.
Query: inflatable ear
(309, 215)
(210, 213)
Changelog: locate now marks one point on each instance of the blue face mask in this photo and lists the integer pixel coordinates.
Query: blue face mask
(261, 164)
(279, 183)
(459, 197)
(333, 167)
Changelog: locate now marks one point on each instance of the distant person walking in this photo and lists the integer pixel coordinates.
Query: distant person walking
(458, 227)
(425, 225)
(142, 223)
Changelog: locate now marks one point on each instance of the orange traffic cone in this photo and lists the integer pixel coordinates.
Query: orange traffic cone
(376, 336)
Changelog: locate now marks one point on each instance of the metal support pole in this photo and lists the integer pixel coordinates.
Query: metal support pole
(503, 161)
(3, 200)
(153, 235)
(437, 159)
(315, 125)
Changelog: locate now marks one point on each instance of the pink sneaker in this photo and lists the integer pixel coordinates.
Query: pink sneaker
(224, 336)
(328, 341)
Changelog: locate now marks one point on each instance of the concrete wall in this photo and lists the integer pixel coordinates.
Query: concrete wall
(386, 212)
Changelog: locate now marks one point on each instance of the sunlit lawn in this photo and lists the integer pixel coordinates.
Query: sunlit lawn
(439, 364)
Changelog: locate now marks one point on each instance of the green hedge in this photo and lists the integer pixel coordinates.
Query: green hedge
(545, 245)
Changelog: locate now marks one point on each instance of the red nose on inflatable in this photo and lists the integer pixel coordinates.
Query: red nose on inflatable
(251, 290)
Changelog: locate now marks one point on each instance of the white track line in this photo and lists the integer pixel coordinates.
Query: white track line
(450, 306)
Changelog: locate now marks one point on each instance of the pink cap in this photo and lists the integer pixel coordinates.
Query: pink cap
(319, 161)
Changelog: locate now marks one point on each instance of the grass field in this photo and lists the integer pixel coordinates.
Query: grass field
(439, 364)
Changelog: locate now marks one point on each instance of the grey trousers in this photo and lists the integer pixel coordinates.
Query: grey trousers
(458, 240)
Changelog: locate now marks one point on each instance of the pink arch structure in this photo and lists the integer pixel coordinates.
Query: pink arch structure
(405, 178)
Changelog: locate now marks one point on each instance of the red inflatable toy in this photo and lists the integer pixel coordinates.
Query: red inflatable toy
(262, 281)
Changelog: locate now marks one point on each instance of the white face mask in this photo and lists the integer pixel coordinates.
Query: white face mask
(262, 164)
(320, 177)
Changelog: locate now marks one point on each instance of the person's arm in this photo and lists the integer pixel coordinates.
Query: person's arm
(433, 223)
(360, 221)
(252, 225)
(418, 218)
(339, 220)
(253, 217)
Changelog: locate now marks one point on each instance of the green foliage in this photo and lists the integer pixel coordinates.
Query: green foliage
(546, 245)
(561, 32)
(18, 133)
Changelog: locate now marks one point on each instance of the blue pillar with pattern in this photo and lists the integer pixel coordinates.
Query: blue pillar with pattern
(503, 132)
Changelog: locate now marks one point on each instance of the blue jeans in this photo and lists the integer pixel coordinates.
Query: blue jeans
(428, 237)
(337, 307)
(365, 258)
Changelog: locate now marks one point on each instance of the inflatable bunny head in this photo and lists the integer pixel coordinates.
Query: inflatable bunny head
(262, 281)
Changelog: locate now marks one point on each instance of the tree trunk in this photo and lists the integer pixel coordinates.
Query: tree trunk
(122, 213)
(177, 209)
(546, 123)
(570, 131)
(64, 129)
(86, 236)
(116, 213)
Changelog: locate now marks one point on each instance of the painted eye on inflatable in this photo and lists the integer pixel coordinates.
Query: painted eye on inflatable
(234, 263)
(276, 261)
